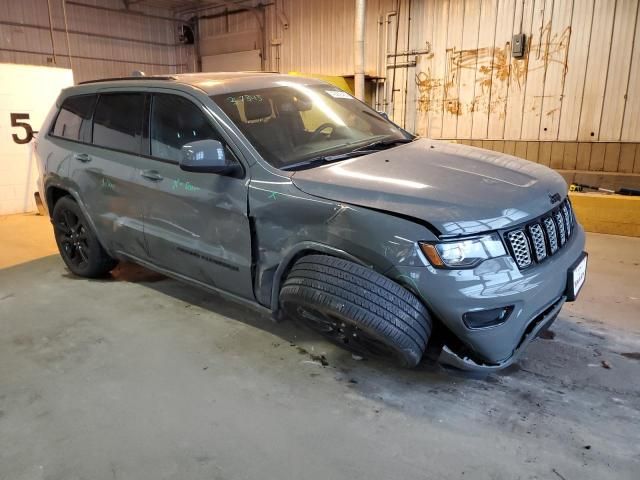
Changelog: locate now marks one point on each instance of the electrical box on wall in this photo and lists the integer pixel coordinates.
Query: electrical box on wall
(185, 35)
(517, 45)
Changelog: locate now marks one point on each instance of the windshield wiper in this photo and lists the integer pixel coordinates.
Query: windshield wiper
(356, 152)
(383, 143)
(323, 159)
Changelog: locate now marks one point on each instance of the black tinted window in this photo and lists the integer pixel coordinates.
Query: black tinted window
(74, 119)
(175, 121)
(118, 121)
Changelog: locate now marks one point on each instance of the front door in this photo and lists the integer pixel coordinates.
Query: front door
(195, 224)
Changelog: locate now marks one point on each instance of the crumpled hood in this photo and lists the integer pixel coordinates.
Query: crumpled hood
(456, 188)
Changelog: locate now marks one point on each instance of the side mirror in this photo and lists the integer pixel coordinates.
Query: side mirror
(207, 156)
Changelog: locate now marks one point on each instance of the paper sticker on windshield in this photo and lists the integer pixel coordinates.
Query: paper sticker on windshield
(338, 94)
(245, 98)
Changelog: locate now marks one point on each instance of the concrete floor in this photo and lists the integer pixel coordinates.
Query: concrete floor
(140, 377)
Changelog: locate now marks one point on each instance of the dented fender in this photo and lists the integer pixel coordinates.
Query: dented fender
(288, 223)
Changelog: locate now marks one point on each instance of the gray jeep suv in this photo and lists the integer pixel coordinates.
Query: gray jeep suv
(290, 194)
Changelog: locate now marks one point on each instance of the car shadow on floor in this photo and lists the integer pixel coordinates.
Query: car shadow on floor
(304, 340)
(545, 358)
(583, 359)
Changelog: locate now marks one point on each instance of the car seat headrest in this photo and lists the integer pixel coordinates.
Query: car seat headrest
(257, 109)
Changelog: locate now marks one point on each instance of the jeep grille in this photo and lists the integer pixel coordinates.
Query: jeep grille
(543, 237)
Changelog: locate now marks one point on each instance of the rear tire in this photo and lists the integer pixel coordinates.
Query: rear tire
(78, 245)
(357, 308)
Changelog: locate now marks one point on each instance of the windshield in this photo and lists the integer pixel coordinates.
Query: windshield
(292, 123)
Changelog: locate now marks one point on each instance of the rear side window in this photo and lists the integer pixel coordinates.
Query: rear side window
(118, 121)
(175, 122)
(74, 120)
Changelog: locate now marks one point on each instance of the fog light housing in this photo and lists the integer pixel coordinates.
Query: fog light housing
(487, 318)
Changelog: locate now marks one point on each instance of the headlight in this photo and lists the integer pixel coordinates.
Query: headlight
(464, 253)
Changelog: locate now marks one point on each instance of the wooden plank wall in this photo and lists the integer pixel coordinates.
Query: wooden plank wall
(572, 102)
(605, 157)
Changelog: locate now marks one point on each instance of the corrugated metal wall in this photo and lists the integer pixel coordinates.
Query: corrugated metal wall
(572, 102)
(577, 81)
(103, 43)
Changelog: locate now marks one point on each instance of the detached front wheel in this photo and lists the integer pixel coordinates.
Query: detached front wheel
(357, 308)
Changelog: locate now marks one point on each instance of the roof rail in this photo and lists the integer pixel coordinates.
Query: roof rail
(165, 77)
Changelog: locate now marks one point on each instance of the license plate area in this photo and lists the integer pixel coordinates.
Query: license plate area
(576, 276)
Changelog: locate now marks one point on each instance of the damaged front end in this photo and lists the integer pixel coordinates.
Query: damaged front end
(463, 359)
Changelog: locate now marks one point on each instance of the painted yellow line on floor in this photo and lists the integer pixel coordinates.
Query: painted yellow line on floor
(25, 237)
(613, 214)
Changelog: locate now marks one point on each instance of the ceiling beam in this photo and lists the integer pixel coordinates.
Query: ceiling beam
(123, 11)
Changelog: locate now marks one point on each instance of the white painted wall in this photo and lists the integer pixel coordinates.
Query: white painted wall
(232, 62)
(24, 90)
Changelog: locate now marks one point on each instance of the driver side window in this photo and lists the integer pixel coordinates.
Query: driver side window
(175, 121)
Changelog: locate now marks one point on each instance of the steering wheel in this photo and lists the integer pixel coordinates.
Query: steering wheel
(318, 131)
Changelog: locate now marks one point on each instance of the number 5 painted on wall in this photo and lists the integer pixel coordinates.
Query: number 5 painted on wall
(15, 117)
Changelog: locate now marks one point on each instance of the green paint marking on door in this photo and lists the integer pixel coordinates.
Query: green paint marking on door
(273, 195)
(180, 185)
(107, 184)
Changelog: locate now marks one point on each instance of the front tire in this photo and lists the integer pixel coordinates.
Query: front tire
(78, 245)
(357, 308)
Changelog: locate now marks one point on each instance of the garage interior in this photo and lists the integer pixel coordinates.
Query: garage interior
(140, 376)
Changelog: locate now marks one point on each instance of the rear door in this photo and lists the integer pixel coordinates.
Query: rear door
(196, 224)
(68, 136)
(103, 169)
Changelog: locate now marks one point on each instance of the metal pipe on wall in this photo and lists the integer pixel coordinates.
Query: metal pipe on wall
(124, 12)
(359, 49)
(395, 58)
(53, 47)
(406, 74)
(66, 29)
(195, 10)
(85, 57)
(261, 20)
(196, 44)
(89, 34)
(225, 13)
(423, 51)
(387, 22)
(260, 13)
(376, 84)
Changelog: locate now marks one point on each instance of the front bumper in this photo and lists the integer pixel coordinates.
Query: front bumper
(537, 325)
(536, 294)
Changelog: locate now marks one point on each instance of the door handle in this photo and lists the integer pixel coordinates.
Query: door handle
(152, 175)
(82, 157)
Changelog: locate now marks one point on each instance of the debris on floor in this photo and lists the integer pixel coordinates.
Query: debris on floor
(547, 334)
(631, 355)
(320, 358)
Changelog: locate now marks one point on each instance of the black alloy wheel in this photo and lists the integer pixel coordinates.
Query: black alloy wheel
(72, 235)
(344, 332)
(357, 308)
(78, 245)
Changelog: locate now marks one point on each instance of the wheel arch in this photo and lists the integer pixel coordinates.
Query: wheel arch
(298, 251)
(56, 191)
